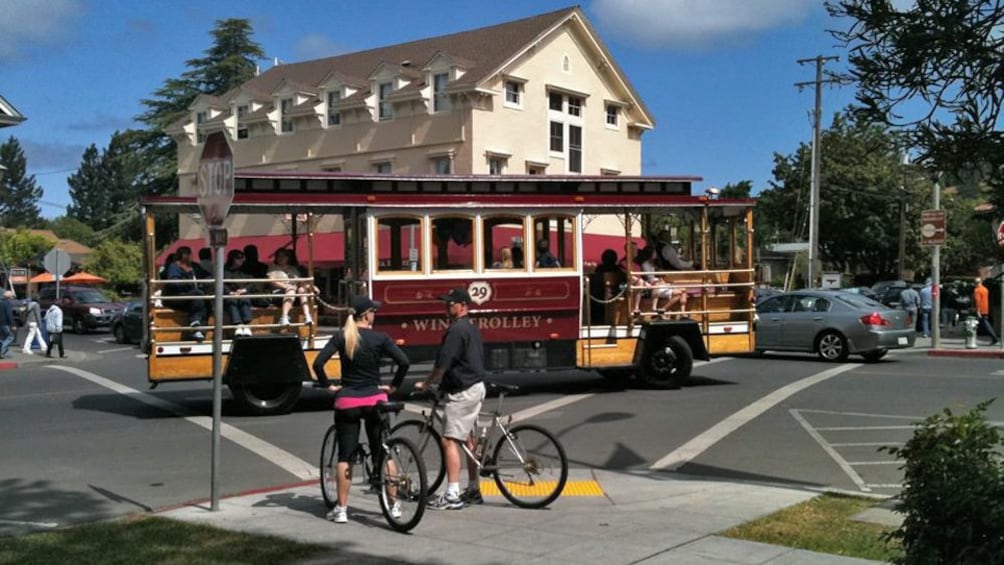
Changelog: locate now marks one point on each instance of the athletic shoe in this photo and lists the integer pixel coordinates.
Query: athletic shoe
(308, 320)
(446, 502)
(472, 496)
(283, 320)
(395, 510)
(30, 353)
(339, 515)
(198, 336)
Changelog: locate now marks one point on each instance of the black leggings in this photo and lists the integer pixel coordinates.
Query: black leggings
(347, 422)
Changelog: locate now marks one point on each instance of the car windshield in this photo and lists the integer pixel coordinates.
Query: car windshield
(89, 297)
(861, 301)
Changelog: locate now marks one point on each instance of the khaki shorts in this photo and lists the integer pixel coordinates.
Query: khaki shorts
(461, 411)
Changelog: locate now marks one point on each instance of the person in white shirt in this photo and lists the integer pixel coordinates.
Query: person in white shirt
(54, 325)
(33, 320)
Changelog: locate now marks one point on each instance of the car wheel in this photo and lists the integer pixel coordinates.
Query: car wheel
(832, 346)
(79, 327)
(873, 356)
(119, 332)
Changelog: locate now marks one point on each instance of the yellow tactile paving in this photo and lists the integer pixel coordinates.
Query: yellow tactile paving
(572, 488)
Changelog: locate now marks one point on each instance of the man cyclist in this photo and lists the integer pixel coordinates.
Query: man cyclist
(460, 366)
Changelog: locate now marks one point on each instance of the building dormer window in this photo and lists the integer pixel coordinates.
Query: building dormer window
(613, 114)
(555, 101)
(242, 130)
(334, 117)
(285, 120)
(574, 106)
(513, 93)
(385, 109)
(200, 118)
(440, 100)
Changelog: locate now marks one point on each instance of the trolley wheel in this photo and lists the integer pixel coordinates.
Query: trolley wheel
(529, 466)
(403, 484)
(429, 444)
(266, 399)
(329, 467)
(668, 366)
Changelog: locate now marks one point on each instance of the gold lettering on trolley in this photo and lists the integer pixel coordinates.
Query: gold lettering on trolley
(494, 323)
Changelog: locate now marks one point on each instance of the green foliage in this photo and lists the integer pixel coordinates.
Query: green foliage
(22, 248)
(953, 494)
(66, 227)
(121, 262)
(19, 194)
(741, 189)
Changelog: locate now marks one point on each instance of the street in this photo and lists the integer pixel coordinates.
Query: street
(86, 439)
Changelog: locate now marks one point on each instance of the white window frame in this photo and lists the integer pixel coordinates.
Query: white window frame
(502, 162)
(581, 148)
(334, 116)
(551, 136)
(380, 165)
(438, 161)
(440, 99)
(574, 109)
(242, 111)
(518, 92)
(612, 111)
(286, 124)
(385, 109)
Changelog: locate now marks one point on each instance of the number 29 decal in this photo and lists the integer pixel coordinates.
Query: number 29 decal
(480, 291)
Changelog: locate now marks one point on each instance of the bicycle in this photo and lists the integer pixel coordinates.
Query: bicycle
(400, 479)
(528, 463)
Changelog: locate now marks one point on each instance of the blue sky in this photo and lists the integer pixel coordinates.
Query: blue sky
(718, 75)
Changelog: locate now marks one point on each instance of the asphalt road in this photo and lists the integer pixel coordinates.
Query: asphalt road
(88, 440)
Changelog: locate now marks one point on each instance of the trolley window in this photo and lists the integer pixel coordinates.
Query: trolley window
(399, 244)
(503, 242)
(554, 241)
(453, 243)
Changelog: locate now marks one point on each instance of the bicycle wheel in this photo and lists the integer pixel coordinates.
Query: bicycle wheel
(427, 440)
(329, 467)
(404, 485)
(529, 466)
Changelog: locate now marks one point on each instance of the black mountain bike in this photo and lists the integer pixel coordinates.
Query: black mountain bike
(399, 479)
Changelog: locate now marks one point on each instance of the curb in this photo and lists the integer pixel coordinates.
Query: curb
(7, 365)
(975, 353)
(261, 490)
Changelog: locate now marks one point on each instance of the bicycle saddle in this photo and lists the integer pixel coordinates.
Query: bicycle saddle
(390, 407)
(502, 387)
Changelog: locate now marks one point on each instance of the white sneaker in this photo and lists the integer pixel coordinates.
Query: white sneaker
(308, 320)
(339, 515)
(283, 320)
(198, 336)
(247, 331)
(395, 510)
(27, 352)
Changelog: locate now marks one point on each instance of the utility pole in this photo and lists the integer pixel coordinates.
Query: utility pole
(819, 60)
(901, 258)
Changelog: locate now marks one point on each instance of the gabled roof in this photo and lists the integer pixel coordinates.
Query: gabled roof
(8, 114)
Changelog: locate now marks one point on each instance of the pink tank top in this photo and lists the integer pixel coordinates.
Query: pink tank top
(349, 402)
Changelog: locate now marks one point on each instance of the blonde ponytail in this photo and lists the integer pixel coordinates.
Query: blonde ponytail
(351, 331)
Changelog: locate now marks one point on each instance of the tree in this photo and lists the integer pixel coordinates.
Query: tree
(87, 191)
(22, 248)
(121, 262)
(933, 70)
(230, 62)
(19, 194)
(741, 189)
(66, 227)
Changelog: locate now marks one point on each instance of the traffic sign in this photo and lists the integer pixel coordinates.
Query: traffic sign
(215, 181)
(932, 227)
(57, 262)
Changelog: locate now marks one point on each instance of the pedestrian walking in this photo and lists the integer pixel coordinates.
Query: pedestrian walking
(926, 305)
(981, 300)
(33, 320)
(54, 325)
(7, 325)
(909, 300)
(460, 366)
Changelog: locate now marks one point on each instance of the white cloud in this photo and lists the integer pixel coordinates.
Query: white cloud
(682, 23)
(25, 23)
(316, 46)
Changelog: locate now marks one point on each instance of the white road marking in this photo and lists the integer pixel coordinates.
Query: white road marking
(698, 445)
(885, 485)
(865, 463)
(539, 409)
(863, 428)
(865, 443)
(103, 351)
(848, 470)
(32, 524)
(276, 455)
(862, 414)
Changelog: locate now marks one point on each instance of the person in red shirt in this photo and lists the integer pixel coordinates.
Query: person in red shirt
(981, 300)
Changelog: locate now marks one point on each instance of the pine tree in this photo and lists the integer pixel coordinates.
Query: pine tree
(19, 194)
(231, 60)
(86, 191)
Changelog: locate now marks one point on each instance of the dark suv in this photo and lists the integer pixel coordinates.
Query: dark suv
(84, 308)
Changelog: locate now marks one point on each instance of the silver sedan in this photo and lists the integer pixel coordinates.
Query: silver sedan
(832, 324)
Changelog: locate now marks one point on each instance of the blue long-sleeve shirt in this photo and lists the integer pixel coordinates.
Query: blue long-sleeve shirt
(926, 301)
(7, 313)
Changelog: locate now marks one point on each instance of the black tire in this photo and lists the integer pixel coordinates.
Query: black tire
(873, 356)
(429, 444)
(668, 366)
(329, 467)
(832, 346)
(266, 399)
(403, 472)
(529, 466)
(79, 327)
(120, 335)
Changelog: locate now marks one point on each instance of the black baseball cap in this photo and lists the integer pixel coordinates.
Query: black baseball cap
(456, 295)
(362, 304)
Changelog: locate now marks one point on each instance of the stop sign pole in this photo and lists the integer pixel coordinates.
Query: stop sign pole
(216, 191)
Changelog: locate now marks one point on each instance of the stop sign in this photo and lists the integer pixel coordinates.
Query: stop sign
(1000, 234)
(216, 180)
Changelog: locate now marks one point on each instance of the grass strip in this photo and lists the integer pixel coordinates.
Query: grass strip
(823, 524)
(151, 540)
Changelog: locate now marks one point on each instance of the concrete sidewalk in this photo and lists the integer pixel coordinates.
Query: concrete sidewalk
(645, 517)
(16, 358)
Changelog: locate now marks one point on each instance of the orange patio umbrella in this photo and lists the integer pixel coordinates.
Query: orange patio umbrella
(42, 278)
(84, 277)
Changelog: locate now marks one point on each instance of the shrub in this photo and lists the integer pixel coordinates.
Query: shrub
(953, 491)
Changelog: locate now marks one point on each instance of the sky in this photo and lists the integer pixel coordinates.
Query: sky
(717, 75)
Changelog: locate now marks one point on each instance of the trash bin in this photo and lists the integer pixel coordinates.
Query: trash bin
(970, 328)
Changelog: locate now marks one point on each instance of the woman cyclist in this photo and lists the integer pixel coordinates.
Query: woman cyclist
(360, 349)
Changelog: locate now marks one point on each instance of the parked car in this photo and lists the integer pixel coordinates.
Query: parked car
(888, 291)
(832, 324)
(84, 308)
(127, 324)
(863, 291)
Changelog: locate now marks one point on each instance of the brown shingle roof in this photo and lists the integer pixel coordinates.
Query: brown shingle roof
(487, 48)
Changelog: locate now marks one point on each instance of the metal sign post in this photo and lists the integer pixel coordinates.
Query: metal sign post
(216, 192)
(57, 262)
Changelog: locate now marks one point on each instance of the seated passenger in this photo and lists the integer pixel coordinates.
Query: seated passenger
(238, 307)
(546, 259)
(183, 269)
(517, 257)
(669, 253)
(504, 260)
(280, 273)
(608, 271)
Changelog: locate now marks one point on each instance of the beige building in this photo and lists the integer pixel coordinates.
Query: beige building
(541, 95)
